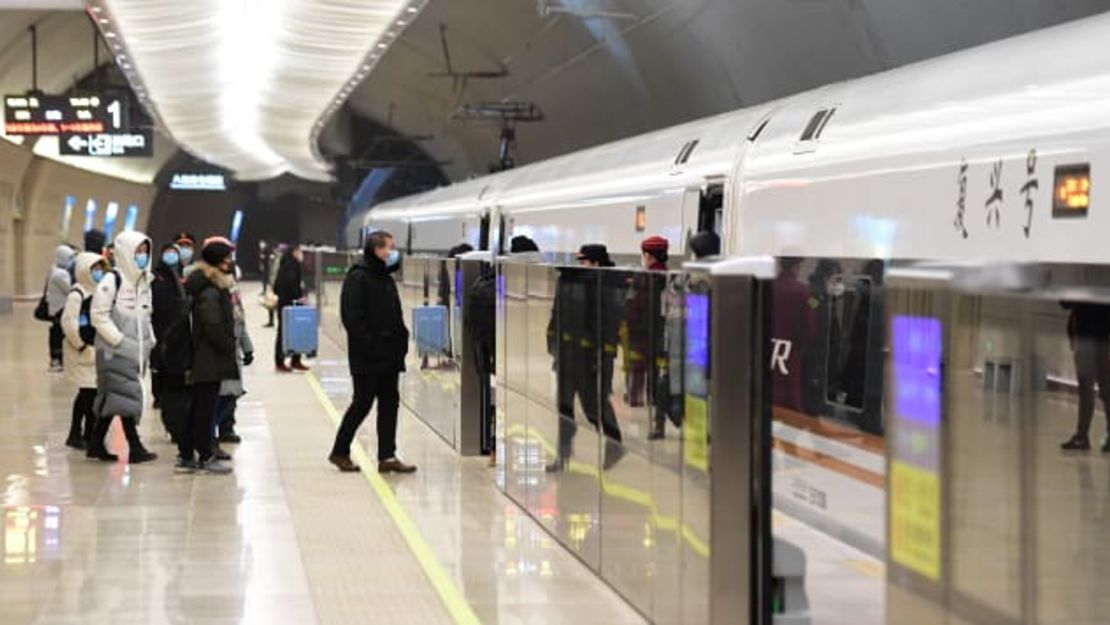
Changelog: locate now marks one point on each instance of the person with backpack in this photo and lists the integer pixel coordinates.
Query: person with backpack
(214, 354)
(80, 350)
(120, 314)
(172, 357)
(58, 285)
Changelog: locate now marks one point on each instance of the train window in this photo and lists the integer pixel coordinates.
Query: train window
(824, 122)
(810, 132)
(711, 208)
(758, 130)
(685, 152)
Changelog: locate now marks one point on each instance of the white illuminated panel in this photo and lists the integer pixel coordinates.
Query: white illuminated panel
(246, 84)
(198, 182)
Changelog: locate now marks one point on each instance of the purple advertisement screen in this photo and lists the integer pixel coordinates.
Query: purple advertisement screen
(917, 346)
(697, 344)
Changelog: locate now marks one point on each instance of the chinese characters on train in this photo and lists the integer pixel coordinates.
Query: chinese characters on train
(994, 203)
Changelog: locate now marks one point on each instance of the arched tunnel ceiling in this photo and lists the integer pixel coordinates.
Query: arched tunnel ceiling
(65, 52)
(599, 75)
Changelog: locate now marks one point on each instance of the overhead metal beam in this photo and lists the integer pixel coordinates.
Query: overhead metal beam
(43, 5)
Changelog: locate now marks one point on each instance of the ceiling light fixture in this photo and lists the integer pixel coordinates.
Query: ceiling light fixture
(244, 82)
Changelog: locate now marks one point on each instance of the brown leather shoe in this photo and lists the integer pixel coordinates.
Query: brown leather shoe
(394, 465)
(343, 463)
(299, 366)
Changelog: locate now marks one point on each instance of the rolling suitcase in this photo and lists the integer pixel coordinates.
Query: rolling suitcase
(430, 330)
(299, 331)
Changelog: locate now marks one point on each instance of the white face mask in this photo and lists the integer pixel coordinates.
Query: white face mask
(837, 289)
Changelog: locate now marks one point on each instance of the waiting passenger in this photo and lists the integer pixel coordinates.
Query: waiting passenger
(186, 247)
(172, 357)
(80, 358)
(377, 343)
(705, 244)
(289, 289)
(214, 354)
(58, 284)
(523, 248)
(231, 389)
(94, 242)
(582, 337)
(1089, 337)
(120, 313)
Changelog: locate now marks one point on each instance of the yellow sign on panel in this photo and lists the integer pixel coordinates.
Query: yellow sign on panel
(695, 430)
(915, 519)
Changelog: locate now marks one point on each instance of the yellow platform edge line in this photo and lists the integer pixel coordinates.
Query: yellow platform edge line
(453, 599)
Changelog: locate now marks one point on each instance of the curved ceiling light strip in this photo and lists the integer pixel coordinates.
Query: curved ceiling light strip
(246, 84)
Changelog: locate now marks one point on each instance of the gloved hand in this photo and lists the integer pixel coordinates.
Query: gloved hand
(248, 358)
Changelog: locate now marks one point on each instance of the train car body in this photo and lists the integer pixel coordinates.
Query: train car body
(989, 154)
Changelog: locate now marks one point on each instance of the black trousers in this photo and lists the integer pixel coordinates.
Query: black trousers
(56, 338)
(194, 440)
(383, 388)
(83, 414)
(580, 377)
(1092, 365)
(176, 397)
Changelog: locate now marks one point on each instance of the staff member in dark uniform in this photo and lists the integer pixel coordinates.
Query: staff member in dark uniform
(377, 343)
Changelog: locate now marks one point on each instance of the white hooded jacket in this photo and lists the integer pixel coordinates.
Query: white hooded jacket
(121, 315)
(80, 359)
(58, 284)
(121, 310)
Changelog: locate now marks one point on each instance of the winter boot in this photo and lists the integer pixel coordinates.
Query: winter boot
(136, 452)
(96, 449)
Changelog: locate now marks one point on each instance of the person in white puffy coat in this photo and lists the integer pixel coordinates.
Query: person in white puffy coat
(57, 288)
(120, 312)
(80, 351)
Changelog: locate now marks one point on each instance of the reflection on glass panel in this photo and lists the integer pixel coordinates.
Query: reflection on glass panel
(90, 214)
(826, 360)
(133, 218)
(67, 215)
(110, 215)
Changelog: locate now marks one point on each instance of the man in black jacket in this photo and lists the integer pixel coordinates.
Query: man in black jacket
(377, 343)
(214, 354)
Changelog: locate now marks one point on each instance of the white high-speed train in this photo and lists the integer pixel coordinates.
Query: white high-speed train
(954, 158)
(989, 154)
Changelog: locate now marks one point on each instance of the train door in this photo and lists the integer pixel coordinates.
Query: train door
(483, 232)
(703, 208)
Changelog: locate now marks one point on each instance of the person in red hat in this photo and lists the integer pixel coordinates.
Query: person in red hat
(642, 316)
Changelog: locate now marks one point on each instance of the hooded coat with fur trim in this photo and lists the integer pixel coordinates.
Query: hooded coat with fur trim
(215, 358)
(120, 312)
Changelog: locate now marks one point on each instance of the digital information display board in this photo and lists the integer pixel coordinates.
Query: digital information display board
(42, 114)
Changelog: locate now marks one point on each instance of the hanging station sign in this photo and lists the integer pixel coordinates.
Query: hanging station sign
(198, 182)
(42, 114)
(133, 143)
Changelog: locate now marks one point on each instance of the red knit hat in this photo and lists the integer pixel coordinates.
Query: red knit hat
(655, 243)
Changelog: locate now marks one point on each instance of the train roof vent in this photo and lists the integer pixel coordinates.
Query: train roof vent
(817, 124)
(685, 152)
(758, 130)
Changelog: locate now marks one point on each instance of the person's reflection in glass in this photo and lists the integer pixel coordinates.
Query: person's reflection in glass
(826, 299)
(792, 328)
(861, 376)
(582, 338)
(1089, 338)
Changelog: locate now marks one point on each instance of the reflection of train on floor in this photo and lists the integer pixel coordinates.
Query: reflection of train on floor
(985, 154)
